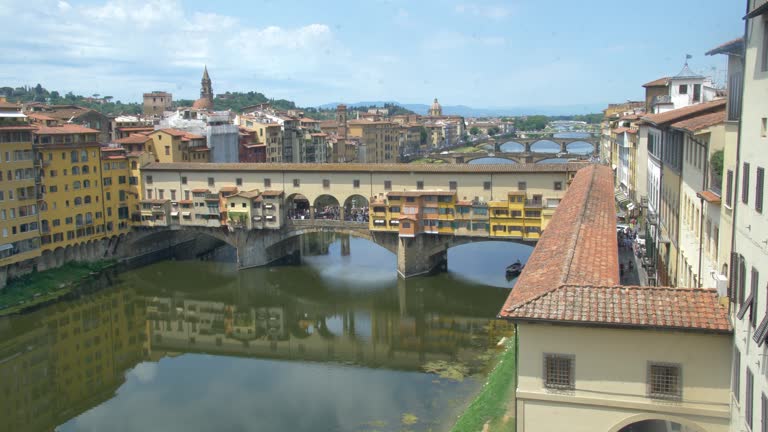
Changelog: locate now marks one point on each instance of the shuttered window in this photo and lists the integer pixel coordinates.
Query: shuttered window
(736, 379)
(748, 400)
(745, 184)
(759, 189)
(729, 188)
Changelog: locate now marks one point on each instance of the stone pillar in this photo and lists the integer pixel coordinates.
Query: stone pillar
(345, 248)
(341, 212)
(527, 147)
(3, 277)
(420, 255)
(312, 212)
(563, 147)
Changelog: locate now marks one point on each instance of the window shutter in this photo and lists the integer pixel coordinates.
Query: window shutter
(759, 189)
(745, 184)
(732, 278)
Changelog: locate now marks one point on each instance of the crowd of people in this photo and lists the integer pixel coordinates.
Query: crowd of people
(356, 214)
(330, 212)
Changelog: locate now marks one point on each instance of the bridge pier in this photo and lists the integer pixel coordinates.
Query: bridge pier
(563, 147)
(528, 147)
(421, 255)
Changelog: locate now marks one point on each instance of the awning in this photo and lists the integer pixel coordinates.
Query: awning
(378, 221)
(6, 246)
(186, 214)
(758, 11)
(175, 214)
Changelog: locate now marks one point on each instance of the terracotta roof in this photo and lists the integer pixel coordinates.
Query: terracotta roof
(272, 193)
(661, 82)
(704, 121)
(200, 149)
(685, 112)
(318, 135)
(154, 201)
(655, 307)
(329, 124)
(133, 139)
(18, 128)
(359, 167)
(200, 190)
(248, 194)
(309, 120)
(68, 128)
(709, 197)
(185, 202)
(135, 128)
(6, 104)
(620, 130)
(228, 189)
(735, 46)
(172, 131)
(192, 136)
(39, 116)
(572, 275)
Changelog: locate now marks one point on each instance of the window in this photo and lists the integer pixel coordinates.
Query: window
(558, 186)
(149, 180)
(167, 150)
(748, 400)
(736, 378)
(267, 183)
(296, 183)
(405, 225)
(664, 381)
(487, 185)
(239, 181)
(420, 185)
(745, 184)
(183, 180)
(764, 54)
(522, 186)
(729, 188)
(683, 89)
(452, 185)
(697, 92)
(210, 181)
(759, 189)
(173, 194)
(387, 184)
(326, 183)
(559, 371)
(356, 184)
(764, 127)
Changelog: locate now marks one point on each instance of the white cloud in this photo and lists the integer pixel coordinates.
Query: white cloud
(64, 6)
(496, 12)
(145, 372)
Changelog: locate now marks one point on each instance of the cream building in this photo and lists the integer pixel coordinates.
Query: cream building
(749, 261)
(596, 356)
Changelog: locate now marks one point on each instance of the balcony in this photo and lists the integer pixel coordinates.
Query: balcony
(533, 203)
(662, 99)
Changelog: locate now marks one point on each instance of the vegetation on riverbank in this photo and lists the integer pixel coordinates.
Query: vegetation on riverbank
(490, 409)
(40, 287)
(427, 161)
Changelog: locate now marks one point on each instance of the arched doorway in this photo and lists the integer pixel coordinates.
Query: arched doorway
(658, 426)
(356, 209)
(327, 207)
(297, 207)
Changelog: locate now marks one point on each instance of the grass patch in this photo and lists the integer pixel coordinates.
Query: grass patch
(467, 149)
(44, 286)
(427, 161)
(491, 404)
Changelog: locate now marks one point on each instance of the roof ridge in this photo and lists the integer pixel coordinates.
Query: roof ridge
(577, 235)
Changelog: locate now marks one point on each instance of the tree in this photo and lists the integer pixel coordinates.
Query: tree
(474, 130)
(717, 163)
(493, 130)
(424, 135)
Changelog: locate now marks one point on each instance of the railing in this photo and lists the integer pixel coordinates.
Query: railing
(324, 223)
(533, 203)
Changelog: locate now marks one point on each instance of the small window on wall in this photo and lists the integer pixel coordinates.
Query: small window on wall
(559, 371)
(296, 183)
(665, 381)
(522, 186)
(210, 181)
(558, 186)
(452, 185)
(326, 183)
(487, 185)
(239, 181)
(683, 89)
(356, 184)
(387, 185)
(267, 183)
(419, 185)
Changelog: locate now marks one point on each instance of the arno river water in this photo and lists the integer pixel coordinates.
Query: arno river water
(335, 343)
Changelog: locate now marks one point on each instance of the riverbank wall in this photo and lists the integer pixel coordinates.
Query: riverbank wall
(172, 244)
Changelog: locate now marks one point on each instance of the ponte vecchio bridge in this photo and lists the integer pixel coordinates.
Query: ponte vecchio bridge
(417, 212)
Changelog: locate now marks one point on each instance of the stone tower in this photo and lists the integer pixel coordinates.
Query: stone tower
(341, 121)
(206, 90)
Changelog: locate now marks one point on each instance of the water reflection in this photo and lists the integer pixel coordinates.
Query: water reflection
(200, 346)
(555, 161)
(545, 146)
(491, 161)
(512, 147)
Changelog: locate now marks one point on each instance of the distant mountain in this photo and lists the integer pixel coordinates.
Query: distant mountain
(465, 111)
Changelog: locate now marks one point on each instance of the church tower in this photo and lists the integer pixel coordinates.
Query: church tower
(206, 90)
(341, 121)
(435, 110)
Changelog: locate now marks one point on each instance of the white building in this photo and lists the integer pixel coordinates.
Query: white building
(749, 260)
(222, 137)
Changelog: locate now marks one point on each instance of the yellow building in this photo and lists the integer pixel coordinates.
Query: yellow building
(268, 133)
(71, 210)
(19, 234)
(119, 195)
(378, 140)
(174, 145)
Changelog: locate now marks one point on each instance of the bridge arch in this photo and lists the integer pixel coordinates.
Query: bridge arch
(642, 422)
(545, 146)
(297, 206)
(356, 208)
(327, 207)
(580, 147)
(512, 147)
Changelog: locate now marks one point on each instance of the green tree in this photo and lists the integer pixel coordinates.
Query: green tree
(474, 130)
(424, 135)
(717, 163)
(493, 131)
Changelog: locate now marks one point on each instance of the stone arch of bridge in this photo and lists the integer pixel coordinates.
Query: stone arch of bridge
(450, 242)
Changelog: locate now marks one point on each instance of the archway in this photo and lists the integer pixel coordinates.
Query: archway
(327, 207)
(580, 148)
(545, 146)
(512, 147)
(649, 422)
(356, 209)
(297, 207)
(491, 161)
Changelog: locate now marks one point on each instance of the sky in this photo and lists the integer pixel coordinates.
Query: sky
(484, 54)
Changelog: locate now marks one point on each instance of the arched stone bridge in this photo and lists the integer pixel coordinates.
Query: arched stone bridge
(528, 154)
(415, 256)
(520, 158)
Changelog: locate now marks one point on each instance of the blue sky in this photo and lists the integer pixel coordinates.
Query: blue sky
(477, 53)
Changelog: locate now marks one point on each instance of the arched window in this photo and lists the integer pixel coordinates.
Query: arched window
(88, 218)
(75, 170)
(76, 184)
(78, 201)
(86, 184)
(43, 206)
(84, 156)
(133, 164)
(73, 156)
(86, 169)
(87, 199)
(79, 220)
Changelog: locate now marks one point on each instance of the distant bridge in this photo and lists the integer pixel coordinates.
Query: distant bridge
(529, 153)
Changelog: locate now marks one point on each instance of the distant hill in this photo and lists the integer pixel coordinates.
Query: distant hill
(466, 111)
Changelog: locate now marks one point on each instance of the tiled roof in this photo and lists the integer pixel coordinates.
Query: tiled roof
(703, 121)
(248, 194)
(201, 190)
(133, 139)
(572, 276)
(228, 189)
(709, 197)
(685, 112)
(6, 104)
(359, 167)
(656, 307)
(172, 131)
(272, 193)
(658, 82)
(39, 116)
(735, 46)
(68, 128)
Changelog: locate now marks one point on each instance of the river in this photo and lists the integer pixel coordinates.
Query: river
(334, 343)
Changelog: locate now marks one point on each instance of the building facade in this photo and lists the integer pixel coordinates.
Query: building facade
(157, 102)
